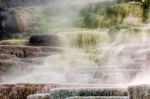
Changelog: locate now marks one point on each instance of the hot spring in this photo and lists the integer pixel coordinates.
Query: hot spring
(99, 43)
(112, 56)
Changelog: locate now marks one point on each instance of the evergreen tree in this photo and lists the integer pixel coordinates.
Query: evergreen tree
(146, 8)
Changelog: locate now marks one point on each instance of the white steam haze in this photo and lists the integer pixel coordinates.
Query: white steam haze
(73, 65)
(66, 11)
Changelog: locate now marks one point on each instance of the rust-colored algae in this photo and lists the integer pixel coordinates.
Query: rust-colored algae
(21, 91)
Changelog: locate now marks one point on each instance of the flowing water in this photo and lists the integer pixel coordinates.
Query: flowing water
(91, 56)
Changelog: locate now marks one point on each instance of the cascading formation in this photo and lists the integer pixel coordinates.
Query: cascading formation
(82, 49)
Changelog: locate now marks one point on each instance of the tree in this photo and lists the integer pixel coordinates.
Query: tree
(146, 8)
(147, 3)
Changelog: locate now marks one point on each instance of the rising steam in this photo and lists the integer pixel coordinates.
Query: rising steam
(84, 58)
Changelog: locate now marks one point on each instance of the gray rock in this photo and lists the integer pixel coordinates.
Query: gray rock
(8, 23)
(44, 40)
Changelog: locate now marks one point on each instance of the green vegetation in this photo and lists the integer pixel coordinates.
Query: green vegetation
(106, 14)
(90, 40)
(13, 42)
(146, 8)
(94, 15)
(90, 44)
(87, 41)
(135, 9)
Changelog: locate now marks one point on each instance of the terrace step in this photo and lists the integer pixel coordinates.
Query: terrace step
(100, 97)
(39, 96)
(19, 51)
(139, 92)
(7, 57)
(63, 93)
(27, 51)
(35, 61)
(21, 91)
(102, 75)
